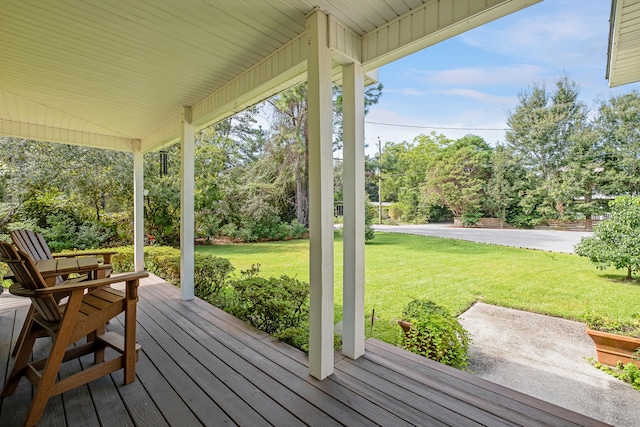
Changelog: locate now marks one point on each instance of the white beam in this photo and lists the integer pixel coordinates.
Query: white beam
(138, 207)
(63, 136)
(320, 198)
(354, 210)
(187, 185)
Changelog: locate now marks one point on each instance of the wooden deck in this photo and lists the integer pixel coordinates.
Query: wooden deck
(201, 366)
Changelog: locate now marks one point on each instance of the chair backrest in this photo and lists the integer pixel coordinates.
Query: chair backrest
(27, 275)
(32, 243)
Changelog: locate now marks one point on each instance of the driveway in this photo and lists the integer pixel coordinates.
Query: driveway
(546, 240)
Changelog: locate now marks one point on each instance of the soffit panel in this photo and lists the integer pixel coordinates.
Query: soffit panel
(125, 69)
(624, 54)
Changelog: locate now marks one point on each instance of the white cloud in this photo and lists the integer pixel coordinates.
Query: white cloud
(562, 38)
(477, 95)
(517, 74)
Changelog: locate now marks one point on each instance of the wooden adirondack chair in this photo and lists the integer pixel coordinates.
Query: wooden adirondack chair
(34, 245)
(81, 316)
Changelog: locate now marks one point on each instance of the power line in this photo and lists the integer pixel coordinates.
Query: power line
(429, 127)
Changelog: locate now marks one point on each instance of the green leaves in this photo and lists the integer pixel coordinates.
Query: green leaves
(615, 241)
(436, 334)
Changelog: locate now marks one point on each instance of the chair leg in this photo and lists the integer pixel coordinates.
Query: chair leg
(47, 380)
(98, 355)
(24, 350)
(130, 332)
(23, 331)
(49, 374)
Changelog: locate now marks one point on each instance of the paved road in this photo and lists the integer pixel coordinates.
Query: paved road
(546, 240)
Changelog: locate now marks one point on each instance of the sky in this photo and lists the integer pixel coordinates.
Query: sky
(470, 83)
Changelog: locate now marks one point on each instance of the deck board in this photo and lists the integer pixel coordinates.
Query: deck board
(201, 366)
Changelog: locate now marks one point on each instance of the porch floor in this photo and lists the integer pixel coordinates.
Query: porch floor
(201, 366)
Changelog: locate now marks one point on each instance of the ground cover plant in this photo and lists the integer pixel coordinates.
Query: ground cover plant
(454, 274)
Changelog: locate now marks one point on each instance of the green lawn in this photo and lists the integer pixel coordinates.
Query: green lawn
(454, 274)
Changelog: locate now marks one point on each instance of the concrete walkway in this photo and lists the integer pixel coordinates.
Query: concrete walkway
(543, 356)
(539, 355)
(546, 240)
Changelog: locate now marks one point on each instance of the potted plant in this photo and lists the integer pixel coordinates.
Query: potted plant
(431, 331)
(615, 340)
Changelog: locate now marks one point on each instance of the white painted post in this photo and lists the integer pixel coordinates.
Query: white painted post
(320, 198)
(354, 212)
(187, 185)
(138, 207)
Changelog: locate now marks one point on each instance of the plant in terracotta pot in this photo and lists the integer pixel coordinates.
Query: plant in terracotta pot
(431, 331)
(616, 340)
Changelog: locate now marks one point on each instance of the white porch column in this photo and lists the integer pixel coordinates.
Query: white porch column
(138, 207)
(320, 198)
(354, 212)
(187, 185)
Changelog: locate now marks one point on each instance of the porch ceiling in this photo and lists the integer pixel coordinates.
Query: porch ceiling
(624, 43)
(108, 73)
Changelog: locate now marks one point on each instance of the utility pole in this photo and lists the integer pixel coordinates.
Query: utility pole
(379, 181)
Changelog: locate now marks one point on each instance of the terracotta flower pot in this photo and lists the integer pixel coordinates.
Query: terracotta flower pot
(612, 348)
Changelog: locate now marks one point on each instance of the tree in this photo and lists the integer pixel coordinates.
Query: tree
(542, 133)
(287, 149)
(502, 187)
(458, 176)
(615, 240)
(618, 127)
(404, 171)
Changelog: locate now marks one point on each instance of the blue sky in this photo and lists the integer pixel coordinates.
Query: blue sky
(472, 81)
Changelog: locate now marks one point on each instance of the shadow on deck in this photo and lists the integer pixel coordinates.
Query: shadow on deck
(201, 366)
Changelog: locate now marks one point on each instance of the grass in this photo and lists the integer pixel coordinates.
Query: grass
(454, 274)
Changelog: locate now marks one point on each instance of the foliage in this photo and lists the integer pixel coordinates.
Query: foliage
(470, 219)
(211, 273)
(458, 176)
(277, 306)
(618, 326)
(271, 305)
(435, 333)
(627, 372)
(617, 127)
(370, 212)
(404, 169)
(615, 240)
(505, 186)
(542, 131)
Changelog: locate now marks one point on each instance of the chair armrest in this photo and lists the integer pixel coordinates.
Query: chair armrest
(105, 255)
(89, 284)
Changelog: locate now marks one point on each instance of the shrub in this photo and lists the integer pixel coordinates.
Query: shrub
(210, 273)
(627, 327)
(271, 305)
(397, 210)
(627, 372)
(94, 234)
(436, 334)
(470, 219)
(61, 234)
